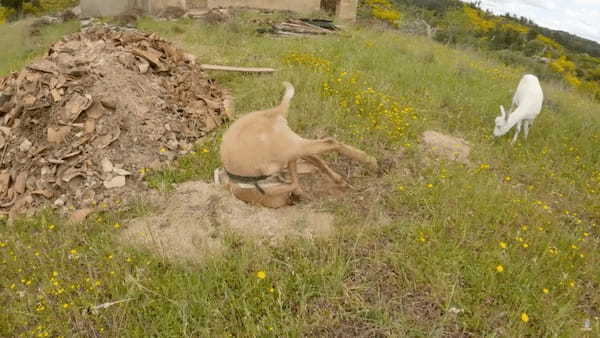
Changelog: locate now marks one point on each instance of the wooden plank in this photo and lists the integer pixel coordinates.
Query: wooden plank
(237, 69)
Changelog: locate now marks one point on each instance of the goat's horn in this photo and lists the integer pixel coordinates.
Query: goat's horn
(503, 111)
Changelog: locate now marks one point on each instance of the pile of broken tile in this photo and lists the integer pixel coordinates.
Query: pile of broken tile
(79, 127)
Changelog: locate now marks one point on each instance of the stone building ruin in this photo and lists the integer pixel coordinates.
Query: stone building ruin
(343, 9)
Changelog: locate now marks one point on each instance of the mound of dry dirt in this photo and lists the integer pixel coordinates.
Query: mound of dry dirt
(191, 223)
(78, 126)
(446, 146)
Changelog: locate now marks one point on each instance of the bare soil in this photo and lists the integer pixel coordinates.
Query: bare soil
(192, 223)
(446, 146)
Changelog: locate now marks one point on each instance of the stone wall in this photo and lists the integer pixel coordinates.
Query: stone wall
(157, 6)
(194, 4)
(345, 9)
(98, 8)
(300, 6)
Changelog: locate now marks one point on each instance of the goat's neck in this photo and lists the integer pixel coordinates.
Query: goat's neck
(513, 118)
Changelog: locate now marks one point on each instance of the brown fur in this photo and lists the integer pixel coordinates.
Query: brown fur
(262, 144)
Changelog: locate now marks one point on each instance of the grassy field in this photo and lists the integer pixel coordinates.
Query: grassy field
(506, 246)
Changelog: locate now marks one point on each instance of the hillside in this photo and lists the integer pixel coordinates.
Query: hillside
(504, 244)
(547, 52)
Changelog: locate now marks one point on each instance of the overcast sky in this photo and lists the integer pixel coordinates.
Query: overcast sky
(579, 17)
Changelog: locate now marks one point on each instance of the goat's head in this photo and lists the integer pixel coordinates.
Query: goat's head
(500, 122)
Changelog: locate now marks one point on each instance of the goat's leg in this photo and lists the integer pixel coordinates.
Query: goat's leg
(517, 131)
(315, 147)
(319, 163)
(293, 171)
(526, 124)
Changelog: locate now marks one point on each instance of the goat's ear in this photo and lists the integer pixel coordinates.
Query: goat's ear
(503, 112)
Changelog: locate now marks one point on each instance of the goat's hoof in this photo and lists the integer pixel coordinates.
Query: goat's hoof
(300, 194)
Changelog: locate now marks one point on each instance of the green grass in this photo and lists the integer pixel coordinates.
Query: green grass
(19, 47)
(425, 241)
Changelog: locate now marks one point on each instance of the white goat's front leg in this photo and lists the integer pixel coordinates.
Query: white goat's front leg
(526, 124)
(517, 131)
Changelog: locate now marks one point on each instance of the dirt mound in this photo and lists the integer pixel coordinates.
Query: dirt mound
(79, 126)
(448, 147)
(194, 220)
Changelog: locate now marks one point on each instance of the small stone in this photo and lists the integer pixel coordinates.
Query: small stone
(107, 166)
(121, 172)
(59, 202)
(25, 145)
(115, 182)
(4, 98)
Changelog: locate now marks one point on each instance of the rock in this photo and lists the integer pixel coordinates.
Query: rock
(4, 98)
(107, 166)
(20, 182)
(85, 23)
(196, 13)
(59, 202)
(121, 172)
(25, 145)
(76, 10)
(115, 182)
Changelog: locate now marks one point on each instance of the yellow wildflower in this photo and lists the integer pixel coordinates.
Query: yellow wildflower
(261, 275)
(500, 268)
(524, 317)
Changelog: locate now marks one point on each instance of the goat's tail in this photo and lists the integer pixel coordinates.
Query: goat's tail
(287, 97)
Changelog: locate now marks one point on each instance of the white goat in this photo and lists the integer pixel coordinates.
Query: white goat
(528, 102)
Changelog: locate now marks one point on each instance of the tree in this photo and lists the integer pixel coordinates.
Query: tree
(17, 5)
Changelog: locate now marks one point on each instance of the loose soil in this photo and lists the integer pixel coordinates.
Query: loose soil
(446, 146)
(80, 126)
(192, 223)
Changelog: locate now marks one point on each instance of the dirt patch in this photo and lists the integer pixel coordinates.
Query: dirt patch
(80, 126)
(191, 223)
(446, 146)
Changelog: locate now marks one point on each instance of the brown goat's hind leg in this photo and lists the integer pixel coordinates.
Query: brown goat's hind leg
(319, 163)
(316, 147)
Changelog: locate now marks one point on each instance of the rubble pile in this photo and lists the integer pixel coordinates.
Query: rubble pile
(79, 126)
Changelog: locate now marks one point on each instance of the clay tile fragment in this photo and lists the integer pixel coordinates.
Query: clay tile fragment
(4, 181)
(76, 104)
(44, 66)
(57, 135)
(20, 182)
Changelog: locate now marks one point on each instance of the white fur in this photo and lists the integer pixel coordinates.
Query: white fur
(528, 102)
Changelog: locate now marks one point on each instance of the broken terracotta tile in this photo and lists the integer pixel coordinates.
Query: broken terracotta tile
(57, 135)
